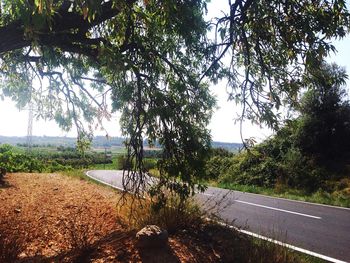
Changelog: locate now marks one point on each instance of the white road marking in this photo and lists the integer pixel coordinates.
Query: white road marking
(299, 249)
(286, 199)
(207, 194)
(302, 250)
(278, 209)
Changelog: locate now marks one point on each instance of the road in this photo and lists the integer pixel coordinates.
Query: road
(323, 231)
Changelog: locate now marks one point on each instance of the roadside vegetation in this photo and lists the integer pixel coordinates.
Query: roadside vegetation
(40, 159)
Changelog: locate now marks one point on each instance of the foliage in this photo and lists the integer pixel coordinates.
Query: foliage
(13, 159)
(307, 151)
(218, 163)
(324, 126)
(123, 164)
(276, 162)
(221, 152)
(83, 144)
(154, 58)
(272, 44)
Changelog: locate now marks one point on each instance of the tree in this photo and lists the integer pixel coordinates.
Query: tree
(155, 58)
(324, 124)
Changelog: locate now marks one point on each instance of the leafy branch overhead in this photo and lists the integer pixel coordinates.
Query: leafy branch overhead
(155, 58)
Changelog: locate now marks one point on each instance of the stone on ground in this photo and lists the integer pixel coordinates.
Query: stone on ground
(151, 236)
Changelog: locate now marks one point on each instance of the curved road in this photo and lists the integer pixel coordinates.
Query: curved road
(319, 230)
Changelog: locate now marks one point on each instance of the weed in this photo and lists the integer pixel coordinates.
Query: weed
(174, 216)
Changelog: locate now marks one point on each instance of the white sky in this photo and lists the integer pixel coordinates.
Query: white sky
(223, 128)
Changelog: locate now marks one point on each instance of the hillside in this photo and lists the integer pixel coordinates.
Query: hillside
(98, 141)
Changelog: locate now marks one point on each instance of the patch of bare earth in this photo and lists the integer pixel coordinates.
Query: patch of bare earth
(53, 218)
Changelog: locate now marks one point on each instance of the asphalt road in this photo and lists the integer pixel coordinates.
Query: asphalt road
(324, 230)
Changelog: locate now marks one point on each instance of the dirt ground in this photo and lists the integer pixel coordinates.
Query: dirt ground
(54, 218)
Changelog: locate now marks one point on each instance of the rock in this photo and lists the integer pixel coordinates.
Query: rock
(151, 236)
(17, 210)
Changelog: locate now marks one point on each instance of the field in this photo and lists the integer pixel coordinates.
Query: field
(56, 218)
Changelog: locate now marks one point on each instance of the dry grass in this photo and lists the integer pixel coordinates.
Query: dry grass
(173, 217)
(52, 218)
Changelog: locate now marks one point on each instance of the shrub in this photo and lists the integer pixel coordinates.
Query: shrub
(173, 216)
(122, 163)
(216, 166)
(150, 163)
(18, 162)
(251, 168)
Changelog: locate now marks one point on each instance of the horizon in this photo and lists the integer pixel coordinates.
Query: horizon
(95, 136)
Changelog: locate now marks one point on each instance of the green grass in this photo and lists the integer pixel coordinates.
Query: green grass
(320, 196)
(78, 174)
(107, 166)
(114, 149)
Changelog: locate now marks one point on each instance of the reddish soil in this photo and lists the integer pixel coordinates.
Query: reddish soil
(54, 218)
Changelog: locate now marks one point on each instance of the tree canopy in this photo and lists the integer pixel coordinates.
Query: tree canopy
(155, 58)
(324, 125)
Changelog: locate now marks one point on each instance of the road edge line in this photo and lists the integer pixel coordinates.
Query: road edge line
(278, 209)
(280, 243)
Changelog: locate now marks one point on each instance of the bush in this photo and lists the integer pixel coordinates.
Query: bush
(266, 166)
(251, 168)
(122, 163)
(150, 163)
(217, 166)
(12, 161)
(175, 215)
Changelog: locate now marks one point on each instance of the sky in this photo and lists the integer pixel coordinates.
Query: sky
(223, 127)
